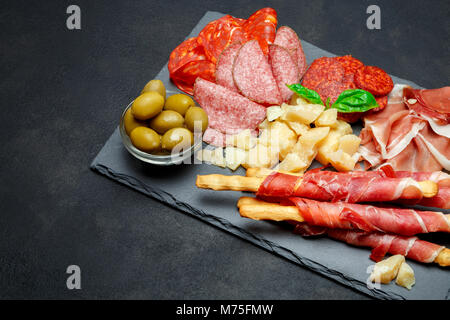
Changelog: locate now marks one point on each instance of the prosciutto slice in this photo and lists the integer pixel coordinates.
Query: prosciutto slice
(343, 215)
(433, 103)
(409, 133)
(442, 199)
(335, 186)
(410, 247)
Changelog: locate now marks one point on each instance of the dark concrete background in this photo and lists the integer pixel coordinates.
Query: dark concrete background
(62, 93)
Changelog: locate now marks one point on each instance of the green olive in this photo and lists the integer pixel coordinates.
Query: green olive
(179, 137)
(155, 85)
(179, 102)
(130, 122)
(145, 139)
(194, 114)
(147, 105)
(166, 120)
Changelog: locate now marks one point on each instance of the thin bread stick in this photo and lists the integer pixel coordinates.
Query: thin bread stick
(261, 210)
(236, 183)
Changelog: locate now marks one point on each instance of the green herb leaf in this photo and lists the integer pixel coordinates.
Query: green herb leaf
(309, 95)
(327, 103)
(355, 100)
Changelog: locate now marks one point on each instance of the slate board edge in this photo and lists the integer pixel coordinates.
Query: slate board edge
(223, 224)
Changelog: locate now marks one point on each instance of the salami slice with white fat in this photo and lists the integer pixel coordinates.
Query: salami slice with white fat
(253, 75)
(213, 137)
(227, 111)
(284, 69)
(224, 67)
(288, 39)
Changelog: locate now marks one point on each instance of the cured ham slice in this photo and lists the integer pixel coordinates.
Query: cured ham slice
(440, 177)
(410, 247)
(406, 137)
(441, 200)
(214, 137)
(342, 215)
(433, 103)
(335, 186)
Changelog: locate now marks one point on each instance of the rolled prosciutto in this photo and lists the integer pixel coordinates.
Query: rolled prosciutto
(410, 247)
(335, 186)
(381, 243)
(343, 215)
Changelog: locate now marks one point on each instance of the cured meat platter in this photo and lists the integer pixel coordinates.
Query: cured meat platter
(175, 186)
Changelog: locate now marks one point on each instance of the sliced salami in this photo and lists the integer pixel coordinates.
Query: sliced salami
(374, 79)
(350, 64)
(253, 75)
(284, 69)
(214, 137)
(184, 77)
(322, 69)
(382, 103)
(218, 34)
(330, 90)
(187, 51)
(262, 26)
(288, 39)
(224, 67)
(227, 110)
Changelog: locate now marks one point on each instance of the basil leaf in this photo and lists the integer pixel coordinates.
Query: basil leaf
(327, 103)
(309, 95)
(355, 100)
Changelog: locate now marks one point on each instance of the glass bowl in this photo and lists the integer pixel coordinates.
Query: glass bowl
(162, 160)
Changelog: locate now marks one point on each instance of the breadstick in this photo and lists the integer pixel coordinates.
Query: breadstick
(240, 183)
(255, 209)
(236, 183)
(260, 210)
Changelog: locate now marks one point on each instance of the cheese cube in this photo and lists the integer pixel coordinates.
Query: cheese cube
(213, 156)
(386, 270)
(405, 276)
(328, 118)
(279, 137)
(329, 145)
(273, 113)
(296, 100)
(243, 140)
(234, 157)
(293, 163)
(306, 147)
(261, 156)
(298, 128)
(349, 143)
(342, 161)
(343, 127)
(305, 113)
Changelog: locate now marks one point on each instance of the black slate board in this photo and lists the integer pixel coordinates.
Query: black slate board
(175, 186)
